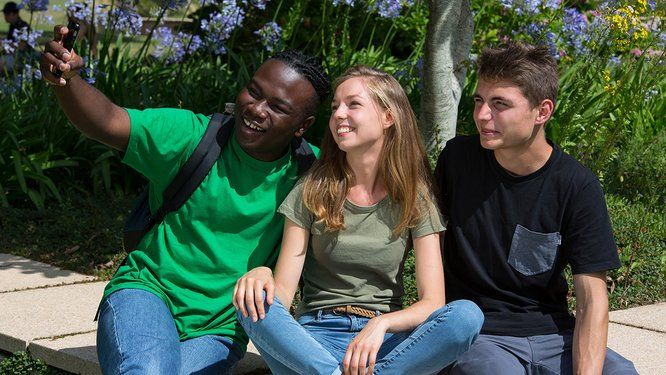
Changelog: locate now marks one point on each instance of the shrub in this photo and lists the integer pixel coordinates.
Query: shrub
(20, 363)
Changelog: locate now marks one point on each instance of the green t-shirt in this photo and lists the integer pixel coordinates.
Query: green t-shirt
(228, 226)
(362, 264)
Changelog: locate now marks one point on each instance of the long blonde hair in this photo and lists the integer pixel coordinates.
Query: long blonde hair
(403, 164)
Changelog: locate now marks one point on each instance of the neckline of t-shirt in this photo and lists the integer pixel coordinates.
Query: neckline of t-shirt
(362, 209)
(247, 160)
(504, 174)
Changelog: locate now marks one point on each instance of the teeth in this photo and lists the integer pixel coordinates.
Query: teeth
(252, 125)
(344, 129)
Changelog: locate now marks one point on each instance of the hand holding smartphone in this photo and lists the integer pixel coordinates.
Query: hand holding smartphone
(68, 43)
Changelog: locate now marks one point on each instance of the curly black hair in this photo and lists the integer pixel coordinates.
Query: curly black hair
(309, 67)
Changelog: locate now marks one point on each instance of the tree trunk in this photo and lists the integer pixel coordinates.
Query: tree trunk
(447, 48)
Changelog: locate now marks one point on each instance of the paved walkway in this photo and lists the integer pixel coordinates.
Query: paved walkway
(50, 312)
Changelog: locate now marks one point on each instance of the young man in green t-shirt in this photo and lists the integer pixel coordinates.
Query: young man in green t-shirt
(168, 308)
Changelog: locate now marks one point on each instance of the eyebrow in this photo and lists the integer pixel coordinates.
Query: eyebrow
(496, 97)
(280, 101)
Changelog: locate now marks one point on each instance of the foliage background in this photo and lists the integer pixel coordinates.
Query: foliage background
(63, 197)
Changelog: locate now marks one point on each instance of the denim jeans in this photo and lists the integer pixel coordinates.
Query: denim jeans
(533, 355)
(137, 335)
(317, 342)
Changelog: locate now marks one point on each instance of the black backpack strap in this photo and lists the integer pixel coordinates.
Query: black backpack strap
(197, 166)
(305, 157)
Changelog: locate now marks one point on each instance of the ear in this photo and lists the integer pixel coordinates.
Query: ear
(387, 119)
(545, 108)
(305, 125)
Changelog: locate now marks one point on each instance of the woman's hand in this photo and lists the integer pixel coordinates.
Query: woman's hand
(248, 292)
(362, 351)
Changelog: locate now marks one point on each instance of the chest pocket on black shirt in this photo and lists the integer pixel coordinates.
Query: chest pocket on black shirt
(531, 252)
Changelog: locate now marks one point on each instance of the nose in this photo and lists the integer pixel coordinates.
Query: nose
(340, 112)
(258, 109)
(482, 111)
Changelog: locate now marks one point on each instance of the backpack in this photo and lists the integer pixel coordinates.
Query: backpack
(190, 176)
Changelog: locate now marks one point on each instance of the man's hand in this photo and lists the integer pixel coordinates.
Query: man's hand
(248, 292)
(362, 351)
(56, 57)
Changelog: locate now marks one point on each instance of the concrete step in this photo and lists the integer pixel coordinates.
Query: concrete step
(647, 349)
(50, 312)
(17, 273)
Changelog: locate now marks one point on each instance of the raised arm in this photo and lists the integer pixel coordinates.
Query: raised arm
(85, 106)
(591, 331)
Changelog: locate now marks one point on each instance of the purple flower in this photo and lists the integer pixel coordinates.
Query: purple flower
(7, 46)
(614, 60)
(552, 4)
(123, 18)
(259, 4)
(173, 48)
(575, 29)
(270, 35)
(28, 36)
(390, 8)
(220, 25)
(541, 35)
(35, 5)
(530, 7)
(83, 11)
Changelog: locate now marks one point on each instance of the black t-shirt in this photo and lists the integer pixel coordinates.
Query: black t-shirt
(19, 24)
(509, 238)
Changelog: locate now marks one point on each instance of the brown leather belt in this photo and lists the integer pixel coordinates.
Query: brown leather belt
(353, 310)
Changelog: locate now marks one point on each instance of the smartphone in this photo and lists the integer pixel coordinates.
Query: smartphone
(70, 38)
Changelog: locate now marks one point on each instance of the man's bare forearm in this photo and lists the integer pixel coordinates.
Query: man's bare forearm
(591, 331)
(93, 113)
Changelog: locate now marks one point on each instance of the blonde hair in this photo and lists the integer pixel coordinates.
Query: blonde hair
(403, 164)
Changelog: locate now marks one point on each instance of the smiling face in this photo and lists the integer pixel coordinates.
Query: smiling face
(276, 105)
(504, 117)
(357, 122)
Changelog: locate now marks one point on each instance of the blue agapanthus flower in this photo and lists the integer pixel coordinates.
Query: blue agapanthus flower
(220, 25)
(530, 7)
(35, 5)
(28, 36)
(173, 48)
(348, 2)
(123, 18)
(82, 10)
(270, 35)
(259, 4)
(391, 8)
(542, 36)
(574, 30)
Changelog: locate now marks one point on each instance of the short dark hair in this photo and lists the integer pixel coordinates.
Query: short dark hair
(309, 67)
(10, 7)
(531, 68)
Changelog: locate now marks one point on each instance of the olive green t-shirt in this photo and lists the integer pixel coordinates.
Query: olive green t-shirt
(362, 264)
(228, 226)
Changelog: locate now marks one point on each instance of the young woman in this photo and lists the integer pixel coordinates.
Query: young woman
(349, 226)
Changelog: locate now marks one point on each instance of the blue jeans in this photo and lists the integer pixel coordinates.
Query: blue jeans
(317, 342)
(532, 355)
(137, 335)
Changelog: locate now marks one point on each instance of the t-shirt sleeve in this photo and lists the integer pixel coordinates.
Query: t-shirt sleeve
(161, 140)
(587, 236)
(430, 222)
(294, 209)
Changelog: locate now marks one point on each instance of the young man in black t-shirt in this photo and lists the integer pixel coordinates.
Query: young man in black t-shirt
(519, 210)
